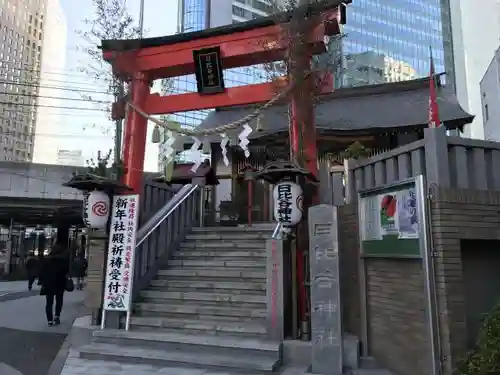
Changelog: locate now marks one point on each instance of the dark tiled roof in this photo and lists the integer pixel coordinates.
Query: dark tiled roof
(131, 44)
(367, 109)
(182, 174)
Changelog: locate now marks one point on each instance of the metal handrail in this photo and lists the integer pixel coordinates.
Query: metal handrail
(158, 218)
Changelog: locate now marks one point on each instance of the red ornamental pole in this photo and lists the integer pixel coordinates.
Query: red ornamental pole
(250, 202)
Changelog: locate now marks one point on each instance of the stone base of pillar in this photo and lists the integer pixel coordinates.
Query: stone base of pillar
(95, 274)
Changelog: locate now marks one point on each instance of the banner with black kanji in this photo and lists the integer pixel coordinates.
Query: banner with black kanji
(120, 263)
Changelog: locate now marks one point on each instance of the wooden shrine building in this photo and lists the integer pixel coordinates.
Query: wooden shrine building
(380, 117)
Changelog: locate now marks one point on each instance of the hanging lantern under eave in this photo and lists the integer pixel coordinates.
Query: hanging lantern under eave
(96, 207)
(259, 126)
(156, 137)
(207, 147)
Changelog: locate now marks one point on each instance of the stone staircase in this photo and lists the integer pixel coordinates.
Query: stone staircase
(206, 310)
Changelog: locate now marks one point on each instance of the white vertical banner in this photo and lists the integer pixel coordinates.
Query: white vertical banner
(121, 251)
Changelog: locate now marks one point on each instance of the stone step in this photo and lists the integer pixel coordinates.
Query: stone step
(164, 296)
(228, 236)
(215, 274)
(200, 311)
(257, 228)
(209, 285)
(179, 342)
(198, 317)
(222, 250)
(222, 245)
(161, 358)
(217, 263)
(207, 290)
(208, 304)
(196, 326)
(221, 255)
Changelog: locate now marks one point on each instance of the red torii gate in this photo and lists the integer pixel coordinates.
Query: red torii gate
(259, 41)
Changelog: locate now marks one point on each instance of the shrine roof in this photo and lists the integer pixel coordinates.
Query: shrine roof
(132, 44)
(369, 109)
(182, 174)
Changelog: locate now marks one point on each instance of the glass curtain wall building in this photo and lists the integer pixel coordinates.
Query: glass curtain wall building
(389, 40)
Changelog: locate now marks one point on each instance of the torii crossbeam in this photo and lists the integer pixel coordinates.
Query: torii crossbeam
(141, 61)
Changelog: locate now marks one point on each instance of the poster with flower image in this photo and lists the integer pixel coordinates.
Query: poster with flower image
(389, 220)
(388, 205)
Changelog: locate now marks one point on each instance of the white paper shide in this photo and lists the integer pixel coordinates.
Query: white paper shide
(288, 203)
(96, 207)
(120, 263)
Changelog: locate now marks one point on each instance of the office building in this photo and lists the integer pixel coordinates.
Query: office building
(476, 36)
(389, 40)
(368, 68)
(490, 99)
(53, 62)
(22, 35)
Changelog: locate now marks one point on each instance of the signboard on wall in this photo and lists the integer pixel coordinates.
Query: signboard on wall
(208, 69)
(390, 221)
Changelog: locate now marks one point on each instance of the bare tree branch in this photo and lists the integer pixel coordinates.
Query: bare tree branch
(110, 20)
(304, 17)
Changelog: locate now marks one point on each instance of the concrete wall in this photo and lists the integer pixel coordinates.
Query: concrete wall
(26, 180)
(395, 302)
(398, 336)
(458, 214)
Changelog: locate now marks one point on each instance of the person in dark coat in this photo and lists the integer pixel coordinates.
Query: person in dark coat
(32, 270)
(54, 276)
(79, 269)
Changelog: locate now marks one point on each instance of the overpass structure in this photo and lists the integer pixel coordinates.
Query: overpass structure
(42, 181)
(32, 194)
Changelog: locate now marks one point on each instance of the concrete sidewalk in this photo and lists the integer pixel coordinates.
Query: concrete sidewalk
(29, 345)
(28, 314)
(16, 286)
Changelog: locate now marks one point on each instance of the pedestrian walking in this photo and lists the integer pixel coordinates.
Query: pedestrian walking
(79, 269)
(32, 270)
(55, 281)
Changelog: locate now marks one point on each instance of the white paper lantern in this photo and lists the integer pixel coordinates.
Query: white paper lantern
(96, 207)
(288, 203)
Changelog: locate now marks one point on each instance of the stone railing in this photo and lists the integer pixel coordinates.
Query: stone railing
(444, 161)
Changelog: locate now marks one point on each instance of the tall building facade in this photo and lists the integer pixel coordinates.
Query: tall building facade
(473, 53)
(53, 61)
(490, 99)
(22, 33)
(390, 40)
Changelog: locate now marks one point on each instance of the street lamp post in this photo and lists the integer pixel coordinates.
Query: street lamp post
(141, 19)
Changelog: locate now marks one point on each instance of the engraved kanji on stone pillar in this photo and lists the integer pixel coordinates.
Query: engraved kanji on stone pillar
(326, 313)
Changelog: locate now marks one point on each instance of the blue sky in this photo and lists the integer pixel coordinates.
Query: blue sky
(90, 130)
